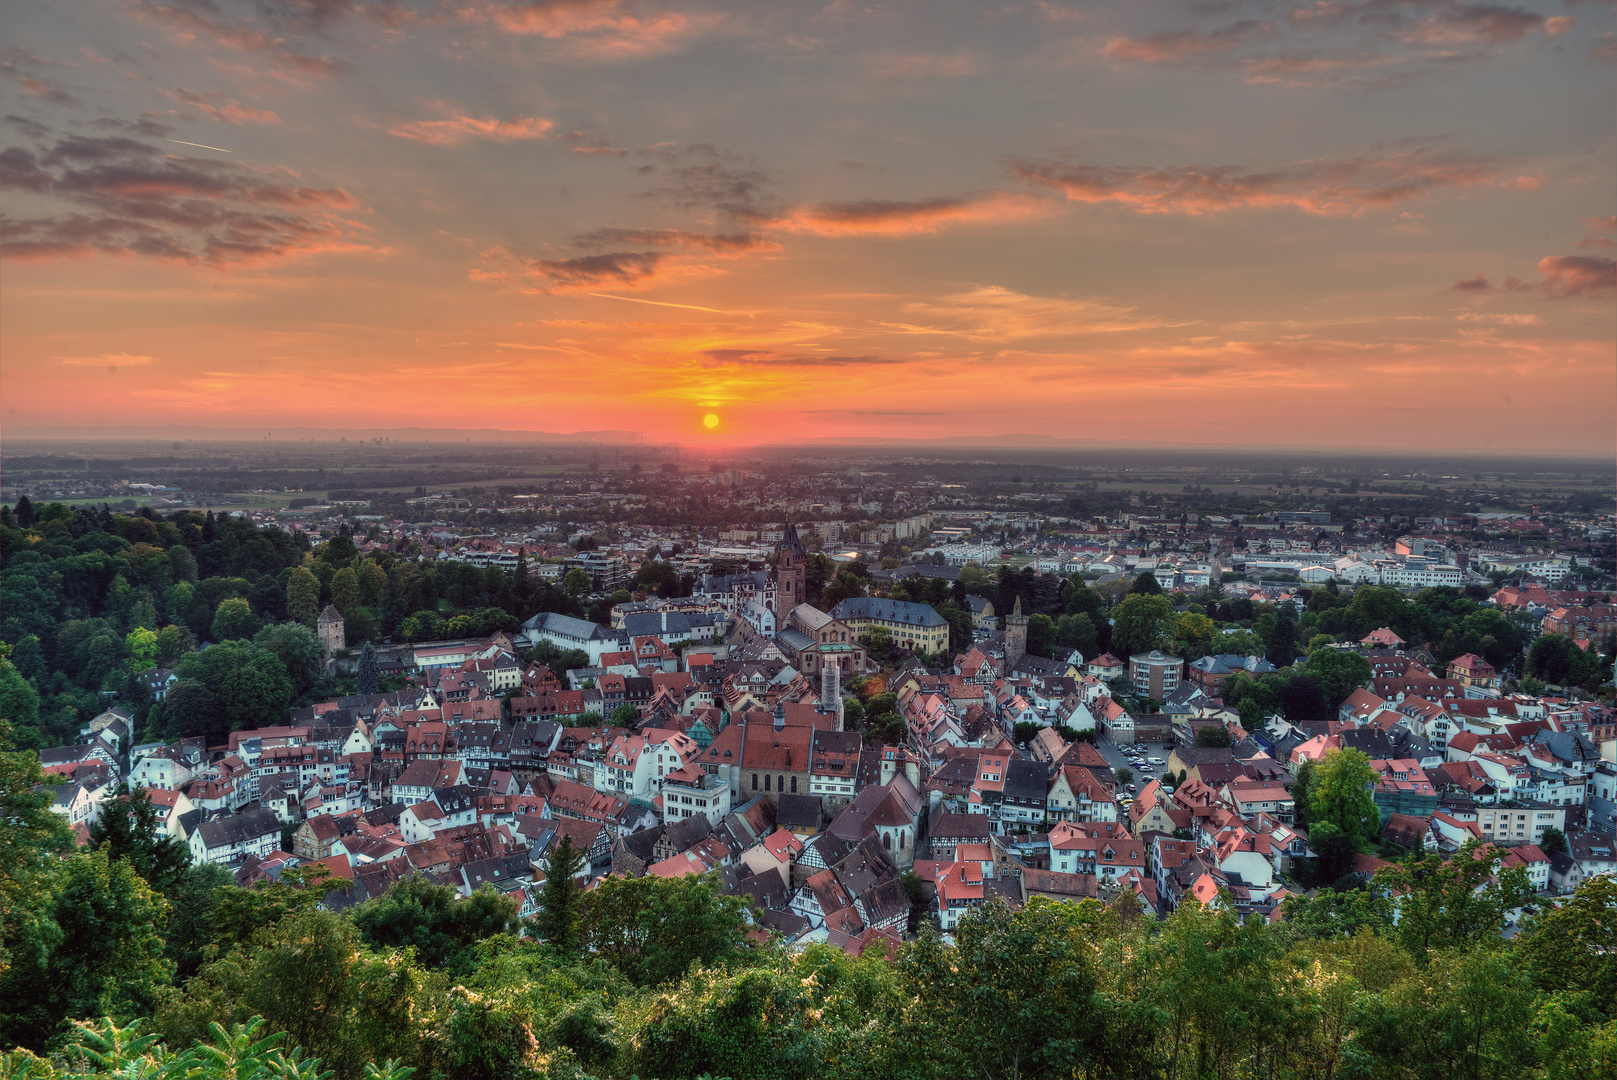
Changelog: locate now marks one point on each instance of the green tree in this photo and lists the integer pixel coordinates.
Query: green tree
(29, 842)
(1338, 672)
(1341, 795)
(625, 715)
(1141, 623)
(654, 928)
(1302, 792)
(1041, 635)
(1014, 996)
(1213, 736)
(1145, 584)
(1078, 632)
(234, 620)
(131, 829)
(1125, 776)
(1556, 659)
(1571, 950)
(1554, 842)
(141, 644)
(303, 596)
(102, 954)
(433, 920)
(576, 583)
(298, 649)
(368, 679)
(557, 923)
(345, 590)
(1455, 904)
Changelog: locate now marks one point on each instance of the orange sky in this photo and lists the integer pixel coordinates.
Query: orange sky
(1345, 224)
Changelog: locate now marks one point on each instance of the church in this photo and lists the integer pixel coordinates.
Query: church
(773, 605)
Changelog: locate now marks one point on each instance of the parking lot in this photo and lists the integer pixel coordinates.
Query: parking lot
(1118, 759)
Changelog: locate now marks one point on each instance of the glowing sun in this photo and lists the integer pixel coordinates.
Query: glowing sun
(710, 421)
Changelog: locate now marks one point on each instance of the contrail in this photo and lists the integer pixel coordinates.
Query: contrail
(658, 303)
(204, 146)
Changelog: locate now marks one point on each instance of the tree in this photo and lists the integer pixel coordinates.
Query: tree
(1556, 659)
(1302, 701)
(1302, 791)
(1554, 842)
(654, 928)
(1214, 735)
(1125, 776)
(433, 920)
(557, 923)
(233, 620)
(1041, 635)
(1015, 996)
(102, 956)
(625, 715)
(299, 650)
(1340, 794)
(1145, 585)
(1571, 950)
(130, 829)
(1141, 623)
(303, 595)
(576, 583)
(1280, 643)
(367, 679)
(1338, 672)
(345, 590)
(32, 837)
(1078, 632)
(1459, 903)
(141, 644)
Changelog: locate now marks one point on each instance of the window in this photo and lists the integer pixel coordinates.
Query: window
(755, 781)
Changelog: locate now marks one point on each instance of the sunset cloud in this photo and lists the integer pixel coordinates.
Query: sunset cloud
(274, 54)
(1325, 186)
(225, 110)
(1475, 23)
(884, 217)
(596, 29)
(1567, 276)
(108, 360)
(995, 313)
(458, 129)
(1173, 46)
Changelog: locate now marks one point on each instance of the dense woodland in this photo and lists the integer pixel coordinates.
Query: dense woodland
(122, 959)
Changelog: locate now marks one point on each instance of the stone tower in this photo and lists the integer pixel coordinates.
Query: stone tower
(1015, 635)
(791, 572)
(330, 628)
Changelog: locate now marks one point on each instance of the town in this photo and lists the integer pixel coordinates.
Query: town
(864, 730)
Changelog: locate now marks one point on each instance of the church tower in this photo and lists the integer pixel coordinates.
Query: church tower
(791, 573)
(1015, 636)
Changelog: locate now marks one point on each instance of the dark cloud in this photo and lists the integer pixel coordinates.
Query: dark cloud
(623, 267)
(1346, 185)
(1471, 23)
(701, 175)
(717, 243)
(1476, 284)
(139, 200)
(32, 128)
(150, 129)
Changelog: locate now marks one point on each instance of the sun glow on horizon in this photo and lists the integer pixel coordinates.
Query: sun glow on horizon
(710, 421)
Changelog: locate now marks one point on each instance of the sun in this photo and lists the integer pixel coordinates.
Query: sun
(710, 421)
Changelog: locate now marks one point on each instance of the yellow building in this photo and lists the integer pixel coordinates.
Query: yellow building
(913, 626)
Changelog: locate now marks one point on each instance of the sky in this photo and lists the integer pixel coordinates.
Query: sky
(1319, 223)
